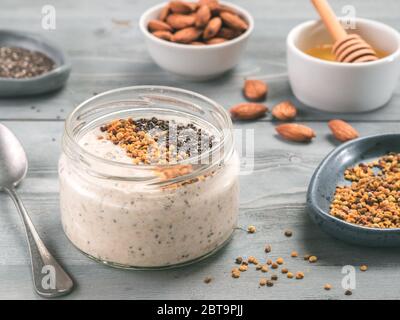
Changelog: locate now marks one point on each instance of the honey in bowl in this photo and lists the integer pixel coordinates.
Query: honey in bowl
(324, 52)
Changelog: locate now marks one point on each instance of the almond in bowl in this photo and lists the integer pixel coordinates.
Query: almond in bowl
(198, 40)
(207, 22)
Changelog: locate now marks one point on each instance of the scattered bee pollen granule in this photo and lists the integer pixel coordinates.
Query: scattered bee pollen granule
(279, 260)
(312, 259)
(294, 254)
(243, 268)
(288, 233)
(263, 282)
(284, 270)
(251, 229)
(264, 268)
(364, 268)
(299, 275)
(290, 275)
(328, 287)
(252, 259)
(348, 292)
(371, 200)
(207, 280)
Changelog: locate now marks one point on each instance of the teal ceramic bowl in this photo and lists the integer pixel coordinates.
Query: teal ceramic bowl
(329, 174)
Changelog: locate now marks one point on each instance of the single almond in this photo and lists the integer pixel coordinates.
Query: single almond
(203, 15)
(182, 7)
(212, 4)
(233, 21)
(228, 33)
(164, 13)
(342, 131)
(186, 35)
(284, 111)
(165, 35)
(216, 40)
(212, 28)
(181, 21)
(248, 111)
(255, 90)
(295, 132)
(157, 25)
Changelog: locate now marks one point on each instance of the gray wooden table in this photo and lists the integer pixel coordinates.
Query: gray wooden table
(108, 53)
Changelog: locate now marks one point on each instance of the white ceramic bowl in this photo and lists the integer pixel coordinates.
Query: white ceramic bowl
(195, 62)
(343, 87)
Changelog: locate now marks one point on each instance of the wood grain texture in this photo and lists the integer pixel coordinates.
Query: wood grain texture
(107, 55)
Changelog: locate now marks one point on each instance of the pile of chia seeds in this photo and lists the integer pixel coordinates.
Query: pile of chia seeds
(19, 63)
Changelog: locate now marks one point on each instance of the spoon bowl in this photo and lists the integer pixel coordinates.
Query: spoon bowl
(49, 278)
(13, 161)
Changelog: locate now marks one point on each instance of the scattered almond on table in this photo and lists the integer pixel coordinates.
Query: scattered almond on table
(295, 132)
(195, 23)
(342, 131)
(255, 90)
(248, 111)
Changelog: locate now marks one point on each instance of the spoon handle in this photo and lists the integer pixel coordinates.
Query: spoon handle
(49, 278)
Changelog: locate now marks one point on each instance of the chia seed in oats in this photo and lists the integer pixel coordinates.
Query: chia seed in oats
(19, 63)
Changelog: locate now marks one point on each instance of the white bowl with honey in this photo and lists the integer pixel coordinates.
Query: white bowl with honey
(319, 81)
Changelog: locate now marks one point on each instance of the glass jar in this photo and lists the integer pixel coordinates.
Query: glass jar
(124, 214)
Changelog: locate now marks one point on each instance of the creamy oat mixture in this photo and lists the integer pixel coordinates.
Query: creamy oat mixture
(127, 223)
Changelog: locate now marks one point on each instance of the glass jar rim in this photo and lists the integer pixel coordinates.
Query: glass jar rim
(225, 142)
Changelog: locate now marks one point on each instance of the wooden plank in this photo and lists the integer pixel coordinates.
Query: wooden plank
(272, 199)
(108, 55)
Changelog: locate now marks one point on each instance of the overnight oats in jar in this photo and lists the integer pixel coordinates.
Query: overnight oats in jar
(148, 177)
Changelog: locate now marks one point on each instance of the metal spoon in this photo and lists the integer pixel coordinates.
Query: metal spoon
(49, 278)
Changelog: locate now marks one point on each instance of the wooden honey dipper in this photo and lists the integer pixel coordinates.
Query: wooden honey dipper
(349, 48)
